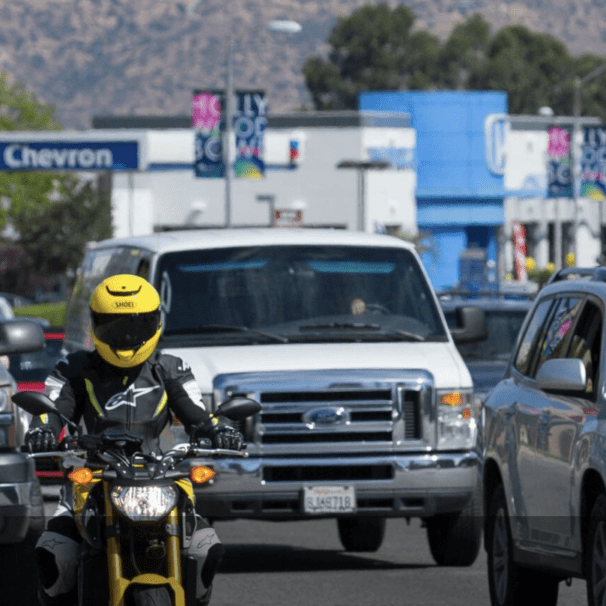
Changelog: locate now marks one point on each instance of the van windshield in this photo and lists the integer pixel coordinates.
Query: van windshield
(296, 293)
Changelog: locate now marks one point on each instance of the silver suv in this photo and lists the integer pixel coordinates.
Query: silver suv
(544, 434)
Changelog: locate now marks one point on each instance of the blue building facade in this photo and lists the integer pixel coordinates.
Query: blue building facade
(459, 200)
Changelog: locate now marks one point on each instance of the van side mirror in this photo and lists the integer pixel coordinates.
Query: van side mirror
(471, 323)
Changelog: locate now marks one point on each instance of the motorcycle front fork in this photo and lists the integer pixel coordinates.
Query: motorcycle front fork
(118, 584)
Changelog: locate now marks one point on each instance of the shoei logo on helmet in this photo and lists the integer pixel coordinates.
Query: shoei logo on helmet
(124, 304)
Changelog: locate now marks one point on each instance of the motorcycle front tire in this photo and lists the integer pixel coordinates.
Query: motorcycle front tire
(152, 596)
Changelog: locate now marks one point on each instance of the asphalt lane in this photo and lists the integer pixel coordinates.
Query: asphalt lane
(304, 564)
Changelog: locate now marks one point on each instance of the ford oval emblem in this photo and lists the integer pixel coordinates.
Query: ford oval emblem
(326, 416)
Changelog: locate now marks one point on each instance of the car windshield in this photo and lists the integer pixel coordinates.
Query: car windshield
(297, 293)
(503, 327)
(36, 366)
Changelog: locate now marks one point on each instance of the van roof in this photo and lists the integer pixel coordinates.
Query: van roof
(225, 238)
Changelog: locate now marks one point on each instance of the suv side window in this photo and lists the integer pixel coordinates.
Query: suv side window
(559, 330)
(586, 344)
(531, 337)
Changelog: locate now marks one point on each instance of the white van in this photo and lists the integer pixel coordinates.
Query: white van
(367, 407)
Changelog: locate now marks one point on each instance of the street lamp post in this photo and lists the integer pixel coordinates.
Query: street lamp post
(229, 112)
(574, 158)
(278, 25)
(361, 167)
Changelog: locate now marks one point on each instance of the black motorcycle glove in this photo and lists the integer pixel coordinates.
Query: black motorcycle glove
(41, 439)
(220, 436)
(224, 436)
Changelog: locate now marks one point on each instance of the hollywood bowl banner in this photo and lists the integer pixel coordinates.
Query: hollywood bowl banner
(250, 122)
(559, 175)
(207, 120)
(593, 163)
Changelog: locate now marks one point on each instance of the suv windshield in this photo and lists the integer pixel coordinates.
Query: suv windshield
(297, 293)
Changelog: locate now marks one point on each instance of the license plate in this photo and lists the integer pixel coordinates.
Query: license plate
(329, 499)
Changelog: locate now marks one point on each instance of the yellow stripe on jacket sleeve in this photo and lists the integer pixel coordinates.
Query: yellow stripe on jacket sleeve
(92, 397)
(162, 404)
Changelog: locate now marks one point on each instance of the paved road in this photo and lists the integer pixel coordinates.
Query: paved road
(303, 564)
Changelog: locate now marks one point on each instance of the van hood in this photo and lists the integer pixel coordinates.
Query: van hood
(440, 359)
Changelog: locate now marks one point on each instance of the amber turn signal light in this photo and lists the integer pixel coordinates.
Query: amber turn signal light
(452, 399)
(81, 475)
(201, 474)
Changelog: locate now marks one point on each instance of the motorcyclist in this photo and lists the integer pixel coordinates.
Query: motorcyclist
(125, 383)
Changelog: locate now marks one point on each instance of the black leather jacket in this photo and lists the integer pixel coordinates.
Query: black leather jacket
(141, 399)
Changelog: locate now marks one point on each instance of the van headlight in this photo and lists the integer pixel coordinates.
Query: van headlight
(457, 420)
(144, 503)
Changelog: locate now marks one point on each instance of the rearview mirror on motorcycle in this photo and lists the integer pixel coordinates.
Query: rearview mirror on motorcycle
(38, 404)
(238, 408)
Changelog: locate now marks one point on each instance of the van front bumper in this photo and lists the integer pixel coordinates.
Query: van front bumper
(411, 485)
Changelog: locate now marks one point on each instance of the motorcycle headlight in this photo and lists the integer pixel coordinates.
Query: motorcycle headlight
(144, 503)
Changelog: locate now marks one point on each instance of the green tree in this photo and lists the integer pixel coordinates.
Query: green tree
(54, 236)
(375, 48)
(20, 110)
(528, 65)
(463, 54)
(372, 49)
(53, 214)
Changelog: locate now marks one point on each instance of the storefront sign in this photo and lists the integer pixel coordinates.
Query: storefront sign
(62, 155)
(398, 157)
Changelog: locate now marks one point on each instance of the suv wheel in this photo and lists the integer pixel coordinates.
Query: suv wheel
(455, 539)
(361, 534)
(595, 562)
(510, 584)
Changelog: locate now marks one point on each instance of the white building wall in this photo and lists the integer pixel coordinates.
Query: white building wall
(326, 195)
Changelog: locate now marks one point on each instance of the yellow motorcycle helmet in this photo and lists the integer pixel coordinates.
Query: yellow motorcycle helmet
(126, 320)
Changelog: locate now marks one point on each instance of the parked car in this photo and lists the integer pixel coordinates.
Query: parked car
(30, 371)
(487, 360)
(21, 503)
(544, 479)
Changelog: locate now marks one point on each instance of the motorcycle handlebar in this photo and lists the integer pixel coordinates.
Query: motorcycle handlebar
(186, 447)
(183, 448)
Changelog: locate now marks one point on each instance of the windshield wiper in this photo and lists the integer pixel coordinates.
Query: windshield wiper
(362, 326)
(340, 326)
(218, 328)
(412, 336)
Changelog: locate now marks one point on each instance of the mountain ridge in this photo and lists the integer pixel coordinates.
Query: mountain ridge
(102, 57)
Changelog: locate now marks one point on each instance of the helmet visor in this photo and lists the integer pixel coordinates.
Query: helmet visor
(125, 331)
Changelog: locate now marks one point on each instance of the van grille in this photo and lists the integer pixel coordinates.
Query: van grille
(317, 411)
(336, 416)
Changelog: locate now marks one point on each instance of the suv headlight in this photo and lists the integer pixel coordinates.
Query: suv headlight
(457, 421)
(144, 503)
